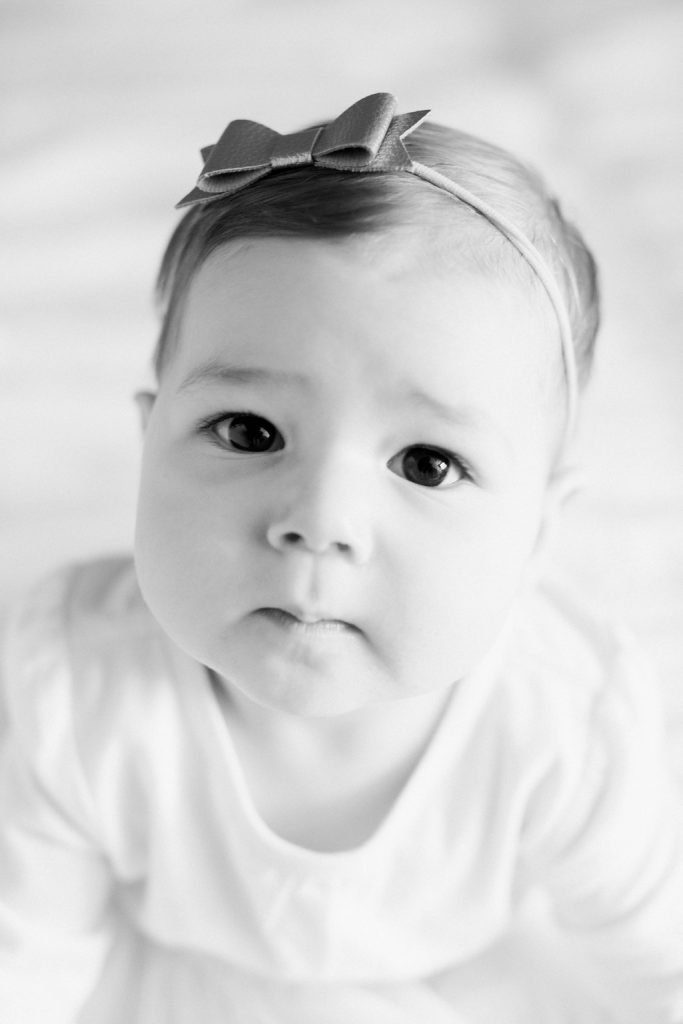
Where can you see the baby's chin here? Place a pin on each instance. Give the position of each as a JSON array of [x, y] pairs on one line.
[[325, 687], [305, 690], [360, 704]]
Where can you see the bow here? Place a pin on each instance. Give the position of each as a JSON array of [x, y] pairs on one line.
[[368, 136]]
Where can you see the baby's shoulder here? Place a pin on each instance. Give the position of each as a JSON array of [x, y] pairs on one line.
[[89, 601], [566, 660], [75, 632]]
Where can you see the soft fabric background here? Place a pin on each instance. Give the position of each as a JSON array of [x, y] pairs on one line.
[[104, 108]]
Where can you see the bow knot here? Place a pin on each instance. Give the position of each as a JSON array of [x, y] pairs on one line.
[[368, 136]]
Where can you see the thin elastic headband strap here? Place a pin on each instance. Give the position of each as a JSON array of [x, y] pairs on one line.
[[538, 264]]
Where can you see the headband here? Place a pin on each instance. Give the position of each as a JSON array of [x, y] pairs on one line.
[[367, 137]]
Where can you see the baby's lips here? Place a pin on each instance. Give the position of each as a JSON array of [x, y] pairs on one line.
[[308, 615]]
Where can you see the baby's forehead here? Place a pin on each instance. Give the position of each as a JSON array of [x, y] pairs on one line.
[[416, 274], [411, 255]]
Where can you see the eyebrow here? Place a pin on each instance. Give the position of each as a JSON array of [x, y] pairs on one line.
[[462, 416], [466, 415], [213, 372]]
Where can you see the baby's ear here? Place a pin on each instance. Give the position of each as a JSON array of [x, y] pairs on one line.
[[564, 484], [145, 402]]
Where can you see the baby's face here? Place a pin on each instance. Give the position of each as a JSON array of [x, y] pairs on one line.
[[345, 471]]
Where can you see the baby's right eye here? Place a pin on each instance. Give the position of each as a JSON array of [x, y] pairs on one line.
[[245, 432]]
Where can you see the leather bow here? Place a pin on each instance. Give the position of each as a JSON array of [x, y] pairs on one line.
[[368, 136]]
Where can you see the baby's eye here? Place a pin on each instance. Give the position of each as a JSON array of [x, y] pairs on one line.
[[245, 432], [428, 467]]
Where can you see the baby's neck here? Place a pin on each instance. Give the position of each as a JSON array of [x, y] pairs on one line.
[[327, 783]]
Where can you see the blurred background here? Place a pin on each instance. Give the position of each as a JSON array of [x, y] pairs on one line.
[[104, 108]]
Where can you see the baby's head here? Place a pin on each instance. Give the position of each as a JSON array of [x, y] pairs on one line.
[[362, 391]]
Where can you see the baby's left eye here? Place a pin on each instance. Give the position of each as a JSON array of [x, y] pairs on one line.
[[245, 432], [427, 467]]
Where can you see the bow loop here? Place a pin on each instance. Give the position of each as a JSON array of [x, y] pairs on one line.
[[355, 137], [241, 155], [365, 137]]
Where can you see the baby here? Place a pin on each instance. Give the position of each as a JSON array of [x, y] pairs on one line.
[[328, 752]]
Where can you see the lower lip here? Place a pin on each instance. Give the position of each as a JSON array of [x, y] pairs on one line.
[[290, 624]]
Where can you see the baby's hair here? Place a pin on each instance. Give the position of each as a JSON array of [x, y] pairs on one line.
[[313, 202]]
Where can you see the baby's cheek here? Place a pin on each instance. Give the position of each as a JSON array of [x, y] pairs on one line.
[[473, 577], [165, 536], [191, 538]]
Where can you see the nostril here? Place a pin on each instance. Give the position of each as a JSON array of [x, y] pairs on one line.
[[292, 538]]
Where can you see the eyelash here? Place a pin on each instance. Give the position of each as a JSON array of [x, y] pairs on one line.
[[208, 426]]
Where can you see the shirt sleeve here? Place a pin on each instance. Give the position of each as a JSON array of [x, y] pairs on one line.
[[606, 840], [54, 882]]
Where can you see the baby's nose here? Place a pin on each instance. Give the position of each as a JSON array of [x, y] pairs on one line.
[[324, 517]]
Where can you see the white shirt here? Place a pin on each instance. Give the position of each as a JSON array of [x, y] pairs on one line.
[[122, 800]]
